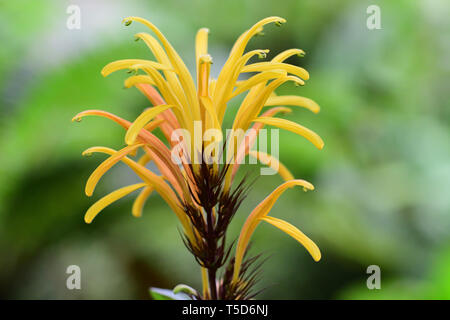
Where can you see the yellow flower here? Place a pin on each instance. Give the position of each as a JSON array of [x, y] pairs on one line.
[[178, 102]]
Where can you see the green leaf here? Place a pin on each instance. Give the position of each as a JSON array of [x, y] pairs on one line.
[[182, 288], [166, 294]]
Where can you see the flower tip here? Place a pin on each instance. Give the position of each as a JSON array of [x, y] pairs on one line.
[[321, 145], [285, 110], [89, 190], [76, 119], [307, 188], [280, 21], [87, 219], [318, 142], [317, 256], [206, 58], [262, 55], [305, 184], [315, 108], [127, 21], [128, 83]]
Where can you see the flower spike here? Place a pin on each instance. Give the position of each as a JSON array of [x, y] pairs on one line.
[[203, 195]]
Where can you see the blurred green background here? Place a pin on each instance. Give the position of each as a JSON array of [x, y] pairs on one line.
[[382, 181]]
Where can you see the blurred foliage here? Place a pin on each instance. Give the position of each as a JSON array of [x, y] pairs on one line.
[[382, 180]]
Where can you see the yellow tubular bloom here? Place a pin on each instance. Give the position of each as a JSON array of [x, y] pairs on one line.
[[293, 127], [287, 54], [162, 58], [110, 198], [127, 63], [268, 66], [152, 179], [140, 201], [177, 63], [141, 121], [255, 217], [105, 166], [272, 162], [296, 234], [178, 101], [293, 101]]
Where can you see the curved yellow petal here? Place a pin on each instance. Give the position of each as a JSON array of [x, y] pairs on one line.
[[142, 120], [155, 98], [162, 58], [135, 80], [146, 136], [255, 217], [229, 79], [108, 199], [275, 164], [253, 81], [127, 63], [152, 125], [293, 127], [155, 181], [270, 66], [227, 73], [178, 64], [243, 40], [249, 141], [105, 166], [155, 47], [138, 204], [293, 101], [287, 54], [155, 78], [255, 100], [296, 234]]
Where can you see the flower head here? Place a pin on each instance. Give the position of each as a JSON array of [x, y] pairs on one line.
[[197, 187]]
